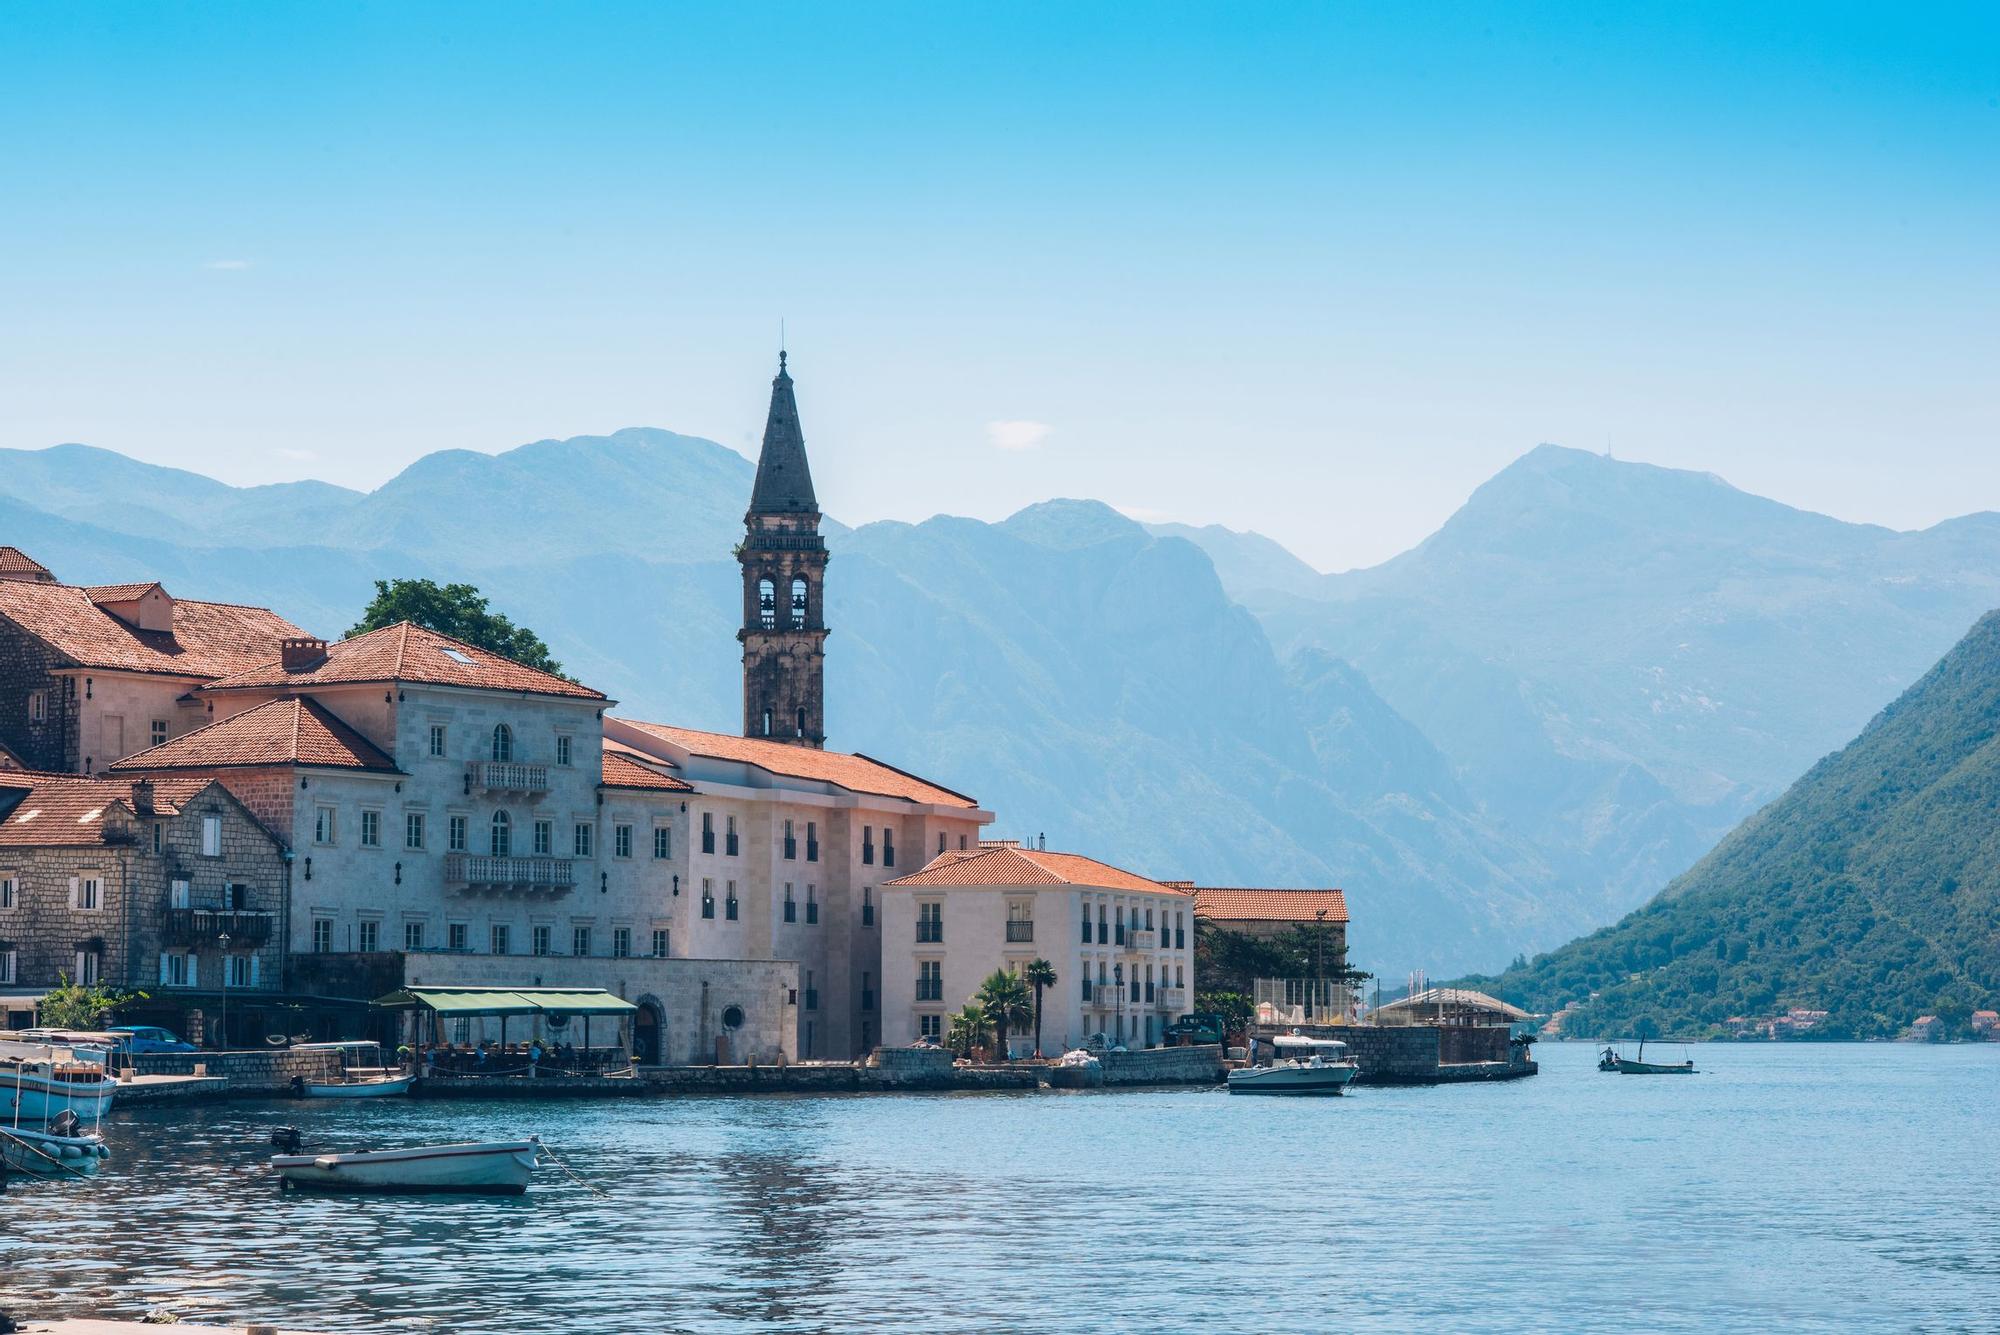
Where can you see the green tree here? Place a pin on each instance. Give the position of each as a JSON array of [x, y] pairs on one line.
[[457, 610], [1005, 998], [1039, 974], [969, 1029], [70, 1005], [1234, 1008]]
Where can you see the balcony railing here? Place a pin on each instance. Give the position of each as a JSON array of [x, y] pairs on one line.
[[505, 776], [200, 927], [1173, 1000], [473, 873], [1141, 938], [1020, 931]]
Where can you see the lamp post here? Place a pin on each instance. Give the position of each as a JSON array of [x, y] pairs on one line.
[[223, 939], [1118, 1000]]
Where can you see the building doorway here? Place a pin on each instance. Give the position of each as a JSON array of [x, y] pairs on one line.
[[649, 1028]]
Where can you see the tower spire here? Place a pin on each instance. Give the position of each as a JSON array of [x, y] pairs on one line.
[[784, 574]]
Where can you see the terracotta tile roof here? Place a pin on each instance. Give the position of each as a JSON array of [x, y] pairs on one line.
[[1251, 905], [67, 810], [406, 652], [208, 639], [291, 731], [17, 564], [119, 593], [856, 773], [621, 771], [1007, 864]]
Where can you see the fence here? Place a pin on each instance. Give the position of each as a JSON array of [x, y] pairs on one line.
[[1303, 1001]]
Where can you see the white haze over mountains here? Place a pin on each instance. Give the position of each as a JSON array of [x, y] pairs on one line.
[[1508, 735]]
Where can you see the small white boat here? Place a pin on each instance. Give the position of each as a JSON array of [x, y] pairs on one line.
[[496, 1168], [39, 1082], [360, 1078], [1300, 1065], [57, 1152]]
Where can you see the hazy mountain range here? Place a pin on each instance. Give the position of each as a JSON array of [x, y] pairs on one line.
[[1510, 734]]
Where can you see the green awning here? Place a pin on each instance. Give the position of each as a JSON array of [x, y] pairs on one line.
[[470, 1001]]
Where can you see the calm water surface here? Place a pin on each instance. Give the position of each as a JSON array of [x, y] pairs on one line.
[[1786, 1188]]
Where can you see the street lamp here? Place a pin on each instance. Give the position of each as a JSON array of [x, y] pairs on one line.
[[1118, 999], [223, 939]]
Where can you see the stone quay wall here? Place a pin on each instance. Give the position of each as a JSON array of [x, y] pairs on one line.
[[1420, 1054], [1199, 1065], [248, 1073]]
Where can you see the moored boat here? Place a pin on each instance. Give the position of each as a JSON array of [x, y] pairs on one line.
[[63, 1148], [359, 1077], [39, 1082], [1613, 1060], [1299, 1065], [494, 1168]]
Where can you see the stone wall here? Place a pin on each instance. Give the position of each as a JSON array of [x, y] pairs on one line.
[[1200, 1065], [1420, 1053], [911, 1068], [26, 666], [248, 1073]]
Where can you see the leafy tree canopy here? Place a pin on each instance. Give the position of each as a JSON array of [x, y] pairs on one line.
[[457, 610], [73, 1006]]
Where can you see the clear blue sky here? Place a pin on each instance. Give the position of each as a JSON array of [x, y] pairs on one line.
[[1315, 269]]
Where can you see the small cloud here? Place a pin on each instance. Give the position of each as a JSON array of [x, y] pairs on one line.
[[1016, 435], [227, 264]]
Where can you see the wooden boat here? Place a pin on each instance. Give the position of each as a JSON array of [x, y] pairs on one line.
[[1612, 1060], [359, 1078], [496, 1168], [39, 1082], [1300, 1065]]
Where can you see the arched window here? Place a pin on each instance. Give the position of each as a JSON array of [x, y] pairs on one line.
[[798, 603], [767, 604], [802, 721], [767, 723], [502, 841], [503, 742]]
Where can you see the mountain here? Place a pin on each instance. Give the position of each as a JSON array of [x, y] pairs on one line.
[[1622, 661], [1248, 564], [1870, 890]]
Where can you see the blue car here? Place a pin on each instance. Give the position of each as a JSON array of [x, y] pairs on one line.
[[151, 1038]]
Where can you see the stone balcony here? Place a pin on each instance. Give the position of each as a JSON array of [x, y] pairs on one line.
[[1172, 1000], [470, 873], [505, 776], [1140, 938], [206, 927]]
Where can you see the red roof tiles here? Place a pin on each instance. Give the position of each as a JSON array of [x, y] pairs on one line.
[[67, 810], [406, 652], [278, 732], [17, 564], [1007, 865], [119, 593], [1252, 905], [856, 773], [207, 639], [622, 771]]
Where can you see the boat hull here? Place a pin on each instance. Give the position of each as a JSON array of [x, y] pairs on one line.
[[35, 1098], [1626, 1067], [1299, 1081], [361, 1089], [493, 1169], [28, 1151]]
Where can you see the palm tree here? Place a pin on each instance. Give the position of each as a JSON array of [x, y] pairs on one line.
[[968, 1029], [1038, 974], [1005, 998]]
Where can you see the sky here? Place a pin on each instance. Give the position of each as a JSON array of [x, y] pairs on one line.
[[1316, 270]]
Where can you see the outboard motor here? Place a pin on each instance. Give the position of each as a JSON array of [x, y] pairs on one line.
[[66, 1123], [298, 1086], [287, 1140]]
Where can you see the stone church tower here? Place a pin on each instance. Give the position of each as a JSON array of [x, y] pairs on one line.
[[784, 575]]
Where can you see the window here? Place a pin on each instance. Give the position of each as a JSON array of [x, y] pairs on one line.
[[812, 905], [413, 829], [322, 936], [767, 723], [791, 909], [798, 603], [812, 841], [663, 841], [729, 903], [371, 936], [1149, 919], [454, 836], [413, 936], [242, 970], [176, 970], [1118, 924], [562, 749], [538, 939], [867, 906], [86, 893], [545, 838], [437, 739], [767, 605], [867, 991], [707, 897], [867, 845], [708, 831], [659, 943], [729, 845], [1180, 930], [930, 922], [930, 980], [371, 829], [89, 967], [454, 936], [38, 706], [159, 731], [499, 938], [579, 941], [9, 889], [1086, 924], [503, 742], [6, 966], [930, 1028], [791, 843], [581, 839], [621, 943], [500, 838], [323, 825], [940, 841], [1020, 922], [812, 993], [621, 841], [1086, 989], [1102, 928], [888, 847]]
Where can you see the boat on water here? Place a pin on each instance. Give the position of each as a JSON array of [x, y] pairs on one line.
[[1613, 1060], [39, 1082], [360, 1077], [492, 1168], [1299, 1065], [62, 1148]]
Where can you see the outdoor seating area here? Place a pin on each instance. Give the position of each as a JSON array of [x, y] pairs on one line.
[[523, 1060], [552, 1031]]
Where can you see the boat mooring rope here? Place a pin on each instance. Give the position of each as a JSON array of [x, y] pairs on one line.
[[572, 1172], [36, 1149]]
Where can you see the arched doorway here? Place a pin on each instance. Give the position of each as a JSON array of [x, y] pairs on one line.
[[649, 1029]]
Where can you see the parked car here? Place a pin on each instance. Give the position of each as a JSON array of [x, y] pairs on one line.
[[151, 1038], [1201, 1027]]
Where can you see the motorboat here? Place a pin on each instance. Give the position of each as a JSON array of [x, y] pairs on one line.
[[360, 1077], [1612, 1060], [1299, 1065], [39, 1082], [491, 1168], [62, 1147]]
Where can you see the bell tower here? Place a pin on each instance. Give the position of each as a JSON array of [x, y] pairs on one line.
[[784, 574]]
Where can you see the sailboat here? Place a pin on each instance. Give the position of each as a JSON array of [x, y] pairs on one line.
[[1612, 1060]]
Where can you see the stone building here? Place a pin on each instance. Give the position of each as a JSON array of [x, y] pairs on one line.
[[1122, 946], [170, 886], [1265, 913]]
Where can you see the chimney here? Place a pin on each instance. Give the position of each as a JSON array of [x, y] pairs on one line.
[[142, 798], [302, 653]]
